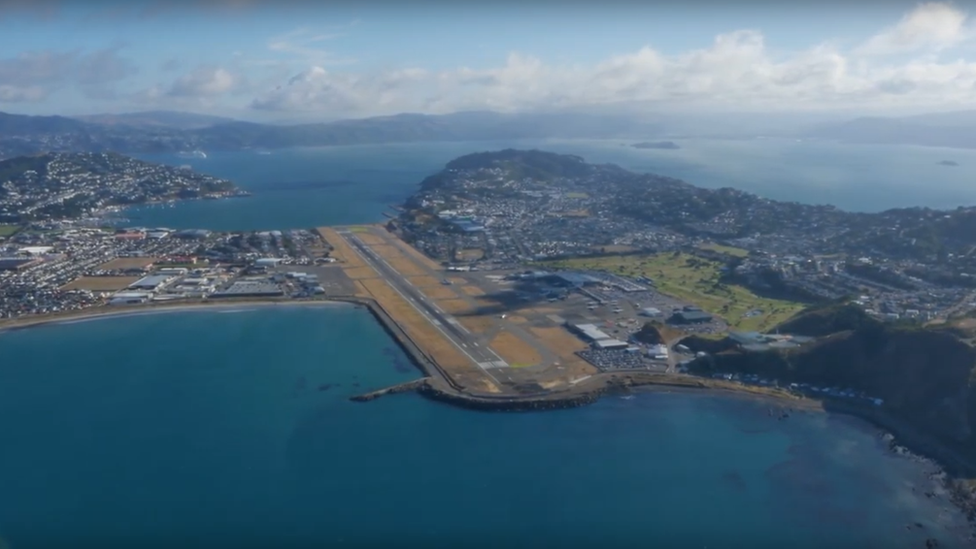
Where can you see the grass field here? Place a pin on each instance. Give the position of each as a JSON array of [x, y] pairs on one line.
[[341, 250], [404, 266], [357, 273], [100, 283], [198, 265], [127, 263], [439, 292], [563, 343], [730, 250], [513, 350], [471, 254], [369, 238], [454, 306], [473, 291], [695, 280], [424, 281], [416, 254], [7, 230], [477, 324]]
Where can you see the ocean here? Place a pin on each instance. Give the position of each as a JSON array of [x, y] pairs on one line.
[[308, 187], [233, 428]]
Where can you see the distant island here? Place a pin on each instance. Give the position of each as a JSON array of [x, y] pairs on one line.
[[671, 145], [948, 163]]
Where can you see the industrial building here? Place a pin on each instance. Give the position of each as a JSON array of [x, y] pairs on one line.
[[690, 317], [589, 332], [658, 352], [130, 298], [18, 263], [610, 344], [151, 282], [267, 262], [251, 288]]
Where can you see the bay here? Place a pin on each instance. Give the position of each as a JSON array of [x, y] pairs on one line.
[[210, 428], [308, 187], [234, 428]]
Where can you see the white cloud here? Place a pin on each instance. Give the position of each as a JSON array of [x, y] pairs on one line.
[[35, 75], [305, 45], [736, 71], [932, 25], [205, 81]]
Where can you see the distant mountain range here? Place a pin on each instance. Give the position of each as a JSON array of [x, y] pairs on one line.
[[166, 131], [949, 129], [156, 119]]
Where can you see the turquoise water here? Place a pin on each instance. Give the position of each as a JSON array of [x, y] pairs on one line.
[[301, 188], [210, 428]]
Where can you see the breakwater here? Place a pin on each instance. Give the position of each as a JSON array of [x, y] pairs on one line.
[[400, 388]]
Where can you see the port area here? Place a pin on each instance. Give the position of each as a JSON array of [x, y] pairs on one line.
[[477, 338]]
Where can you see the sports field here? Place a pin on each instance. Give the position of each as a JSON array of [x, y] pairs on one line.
[[695, 280]]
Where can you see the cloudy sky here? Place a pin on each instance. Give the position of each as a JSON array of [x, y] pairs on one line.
[[285, 59]]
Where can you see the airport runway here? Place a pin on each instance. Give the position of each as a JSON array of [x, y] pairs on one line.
[[467, 342]]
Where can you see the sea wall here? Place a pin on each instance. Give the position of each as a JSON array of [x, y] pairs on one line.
[[500, 403]]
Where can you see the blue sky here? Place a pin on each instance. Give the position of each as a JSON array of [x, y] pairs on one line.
[[275, 60]]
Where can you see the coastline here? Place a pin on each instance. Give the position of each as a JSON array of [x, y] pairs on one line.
[[105, 312], [437, 386]]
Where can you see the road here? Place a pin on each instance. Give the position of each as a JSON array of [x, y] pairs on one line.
[[467, 342]]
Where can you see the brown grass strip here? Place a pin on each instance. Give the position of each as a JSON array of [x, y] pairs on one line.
[[405, 266], [473, 290], [454, 306], [358, 273], [477, 324], [424, 281], [100, 283], [514, 350], [439, 292], [127, 263]]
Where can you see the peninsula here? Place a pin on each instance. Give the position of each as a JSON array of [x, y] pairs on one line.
[[523, 280]]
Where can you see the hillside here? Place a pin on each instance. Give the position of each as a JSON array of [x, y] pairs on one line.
[[926, 376], [923, 235], [68, 185]]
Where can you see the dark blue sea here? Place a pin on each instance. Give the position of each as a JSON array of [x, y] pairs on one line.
[[233, 427]]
